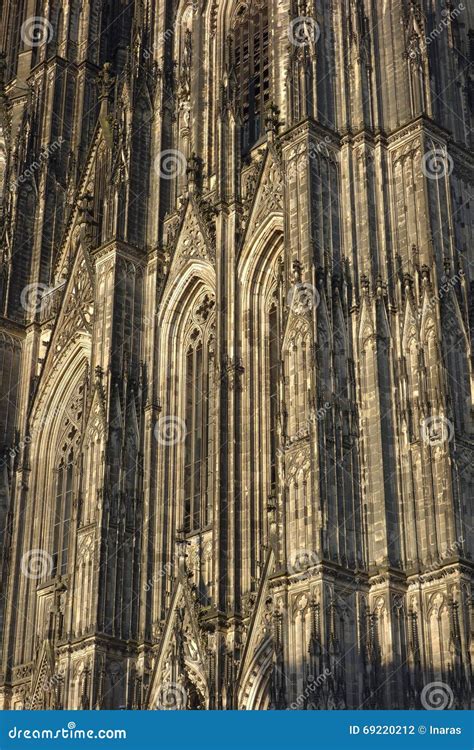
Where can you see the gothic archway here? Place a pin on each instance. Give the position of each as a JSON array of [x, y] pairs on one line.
[[255, 692], [260, 301]]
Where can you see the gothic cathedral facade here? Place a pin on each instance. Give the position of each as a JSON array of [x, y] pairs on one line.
[[236, 364]]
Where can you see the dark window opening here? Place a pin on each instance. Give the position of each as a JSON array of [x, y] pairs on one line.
[[196, 443], [62, 517], [273, 355], [252, 70]]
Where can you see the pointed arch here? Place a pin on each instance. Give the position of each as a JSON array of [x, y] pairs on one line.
[[259, 313], [185, 428], [56, 444], [55, 392], [254, 694], [260, 245], [55, 434], [180, 658]]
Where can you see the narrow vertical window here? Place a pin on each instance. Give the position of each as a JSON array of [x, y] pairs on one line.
[[197, 429], [196, 444], [57, 518], [273, 356], [252, 70], [66, 518], [62, 516], [188, 460]]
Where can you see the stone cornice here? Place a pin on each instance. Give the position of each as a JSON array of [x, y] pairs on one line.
[[305, 129], [325, 570], [14, 329], [460, 567], [97, 640], [387, 576], [121, 249]]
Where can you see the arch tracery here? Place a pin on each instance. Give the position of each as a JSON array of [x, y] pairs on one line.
[[187, 396]]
